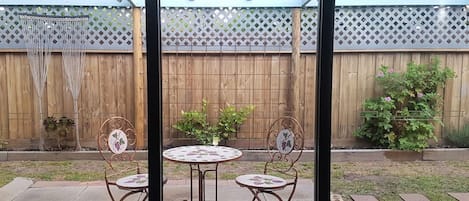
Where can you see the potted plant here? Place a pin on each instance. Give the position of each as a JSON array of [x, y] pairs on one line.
[[50, 124], [58, 128], [195, 124]]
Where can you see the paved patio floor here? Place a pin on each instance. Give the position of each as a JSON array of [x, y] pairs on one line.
[[22, 189]]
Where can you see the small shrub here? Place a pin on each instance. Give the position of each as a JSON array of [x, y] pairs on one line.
[[403, 117], [459, 138], [195, 124]]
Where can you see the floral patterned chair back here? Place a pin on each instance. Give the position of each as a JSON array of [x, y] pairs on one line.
[[285, 143], [117, 146], [117, 140]]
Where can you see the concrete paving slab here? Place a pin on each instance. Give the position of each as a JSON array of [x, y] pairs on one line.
[[51, 193], [14, 188], [173, 191], [460, 196], [43, 184], [413, 197], [99, 193], [363, 198], [336, 197], [230, 191]]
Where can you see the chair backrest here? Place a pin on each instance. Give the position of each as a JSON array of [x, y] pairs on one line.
[[117, 140], [285, 143]]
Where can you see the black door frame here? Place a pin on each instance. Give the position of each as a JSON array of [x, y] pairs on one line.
[[154, 96], [324, 60]]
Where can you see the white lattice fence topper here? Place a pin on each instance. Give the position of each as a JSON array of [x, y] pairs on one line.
[[402, 27], [226, 29], [259, 29], [109, 28]]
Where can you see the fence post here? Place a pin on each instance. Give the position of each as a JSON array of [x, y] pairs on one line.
[[139, 78], [293, 94]]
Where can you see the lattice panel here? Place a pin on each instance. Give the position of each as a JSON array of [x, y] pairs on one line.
[[267, 29], [309, 29], [394, 28], [226, 29], [109, 28]]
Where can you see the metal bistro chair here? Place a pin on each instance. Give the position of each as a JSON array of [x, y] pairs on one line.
[[284, 136], [116, 145]]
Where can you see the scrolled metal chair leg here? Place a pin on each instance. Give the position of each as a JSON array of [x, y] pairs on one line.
[[255, 193], [109, 192], [128, 194], [274, 194]]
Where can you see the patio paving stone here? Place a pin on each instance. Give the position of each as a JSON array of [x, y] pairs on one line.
[[460, 196], [363, 198], [413, 197], [14, 188], [50, 193], [22, 189], [174, 190]]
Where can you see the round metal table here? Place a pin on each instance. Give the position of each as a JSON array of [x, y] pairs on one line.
[[199, 155]]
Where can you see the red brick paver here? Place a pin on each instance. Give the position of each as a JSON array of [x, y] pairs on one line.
[[413, 197], [363, 198], [460, 196]]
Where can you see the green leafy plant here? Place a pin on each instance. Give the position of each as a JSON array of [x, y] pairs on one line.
[[58, 128], [459, 137], [195, 123], [404, 117]]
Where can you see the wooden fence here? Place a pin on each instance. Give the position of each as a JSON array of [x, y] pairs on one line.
[[263, 80]]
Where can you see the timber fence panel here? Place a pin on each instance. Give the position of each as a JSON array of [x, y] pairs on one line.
[[238, 79]]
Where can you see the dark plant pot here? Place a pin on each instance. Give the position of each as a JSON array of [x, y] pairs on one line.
[[223, 142], [50, 129]]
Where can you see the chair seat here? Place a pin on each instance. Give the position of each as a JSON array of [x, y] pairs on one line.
[[261, 181], [136, 181]]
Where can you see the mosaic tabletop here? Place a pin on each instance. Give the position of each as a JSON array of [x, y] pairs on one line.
[[261, 181], [202, 154], [133, 181]]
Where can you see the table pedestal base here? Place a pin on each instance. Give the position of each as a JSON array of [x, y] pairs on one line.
[[201, 173]]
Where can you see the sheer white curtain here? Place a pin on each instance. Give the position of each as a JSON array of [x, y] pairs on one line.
[[37, 31], [73, 32]]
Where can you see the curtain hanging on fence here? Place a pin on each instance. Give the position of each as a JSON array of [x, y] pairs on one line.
[[37, 31], [73, 32], [40, 32]]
